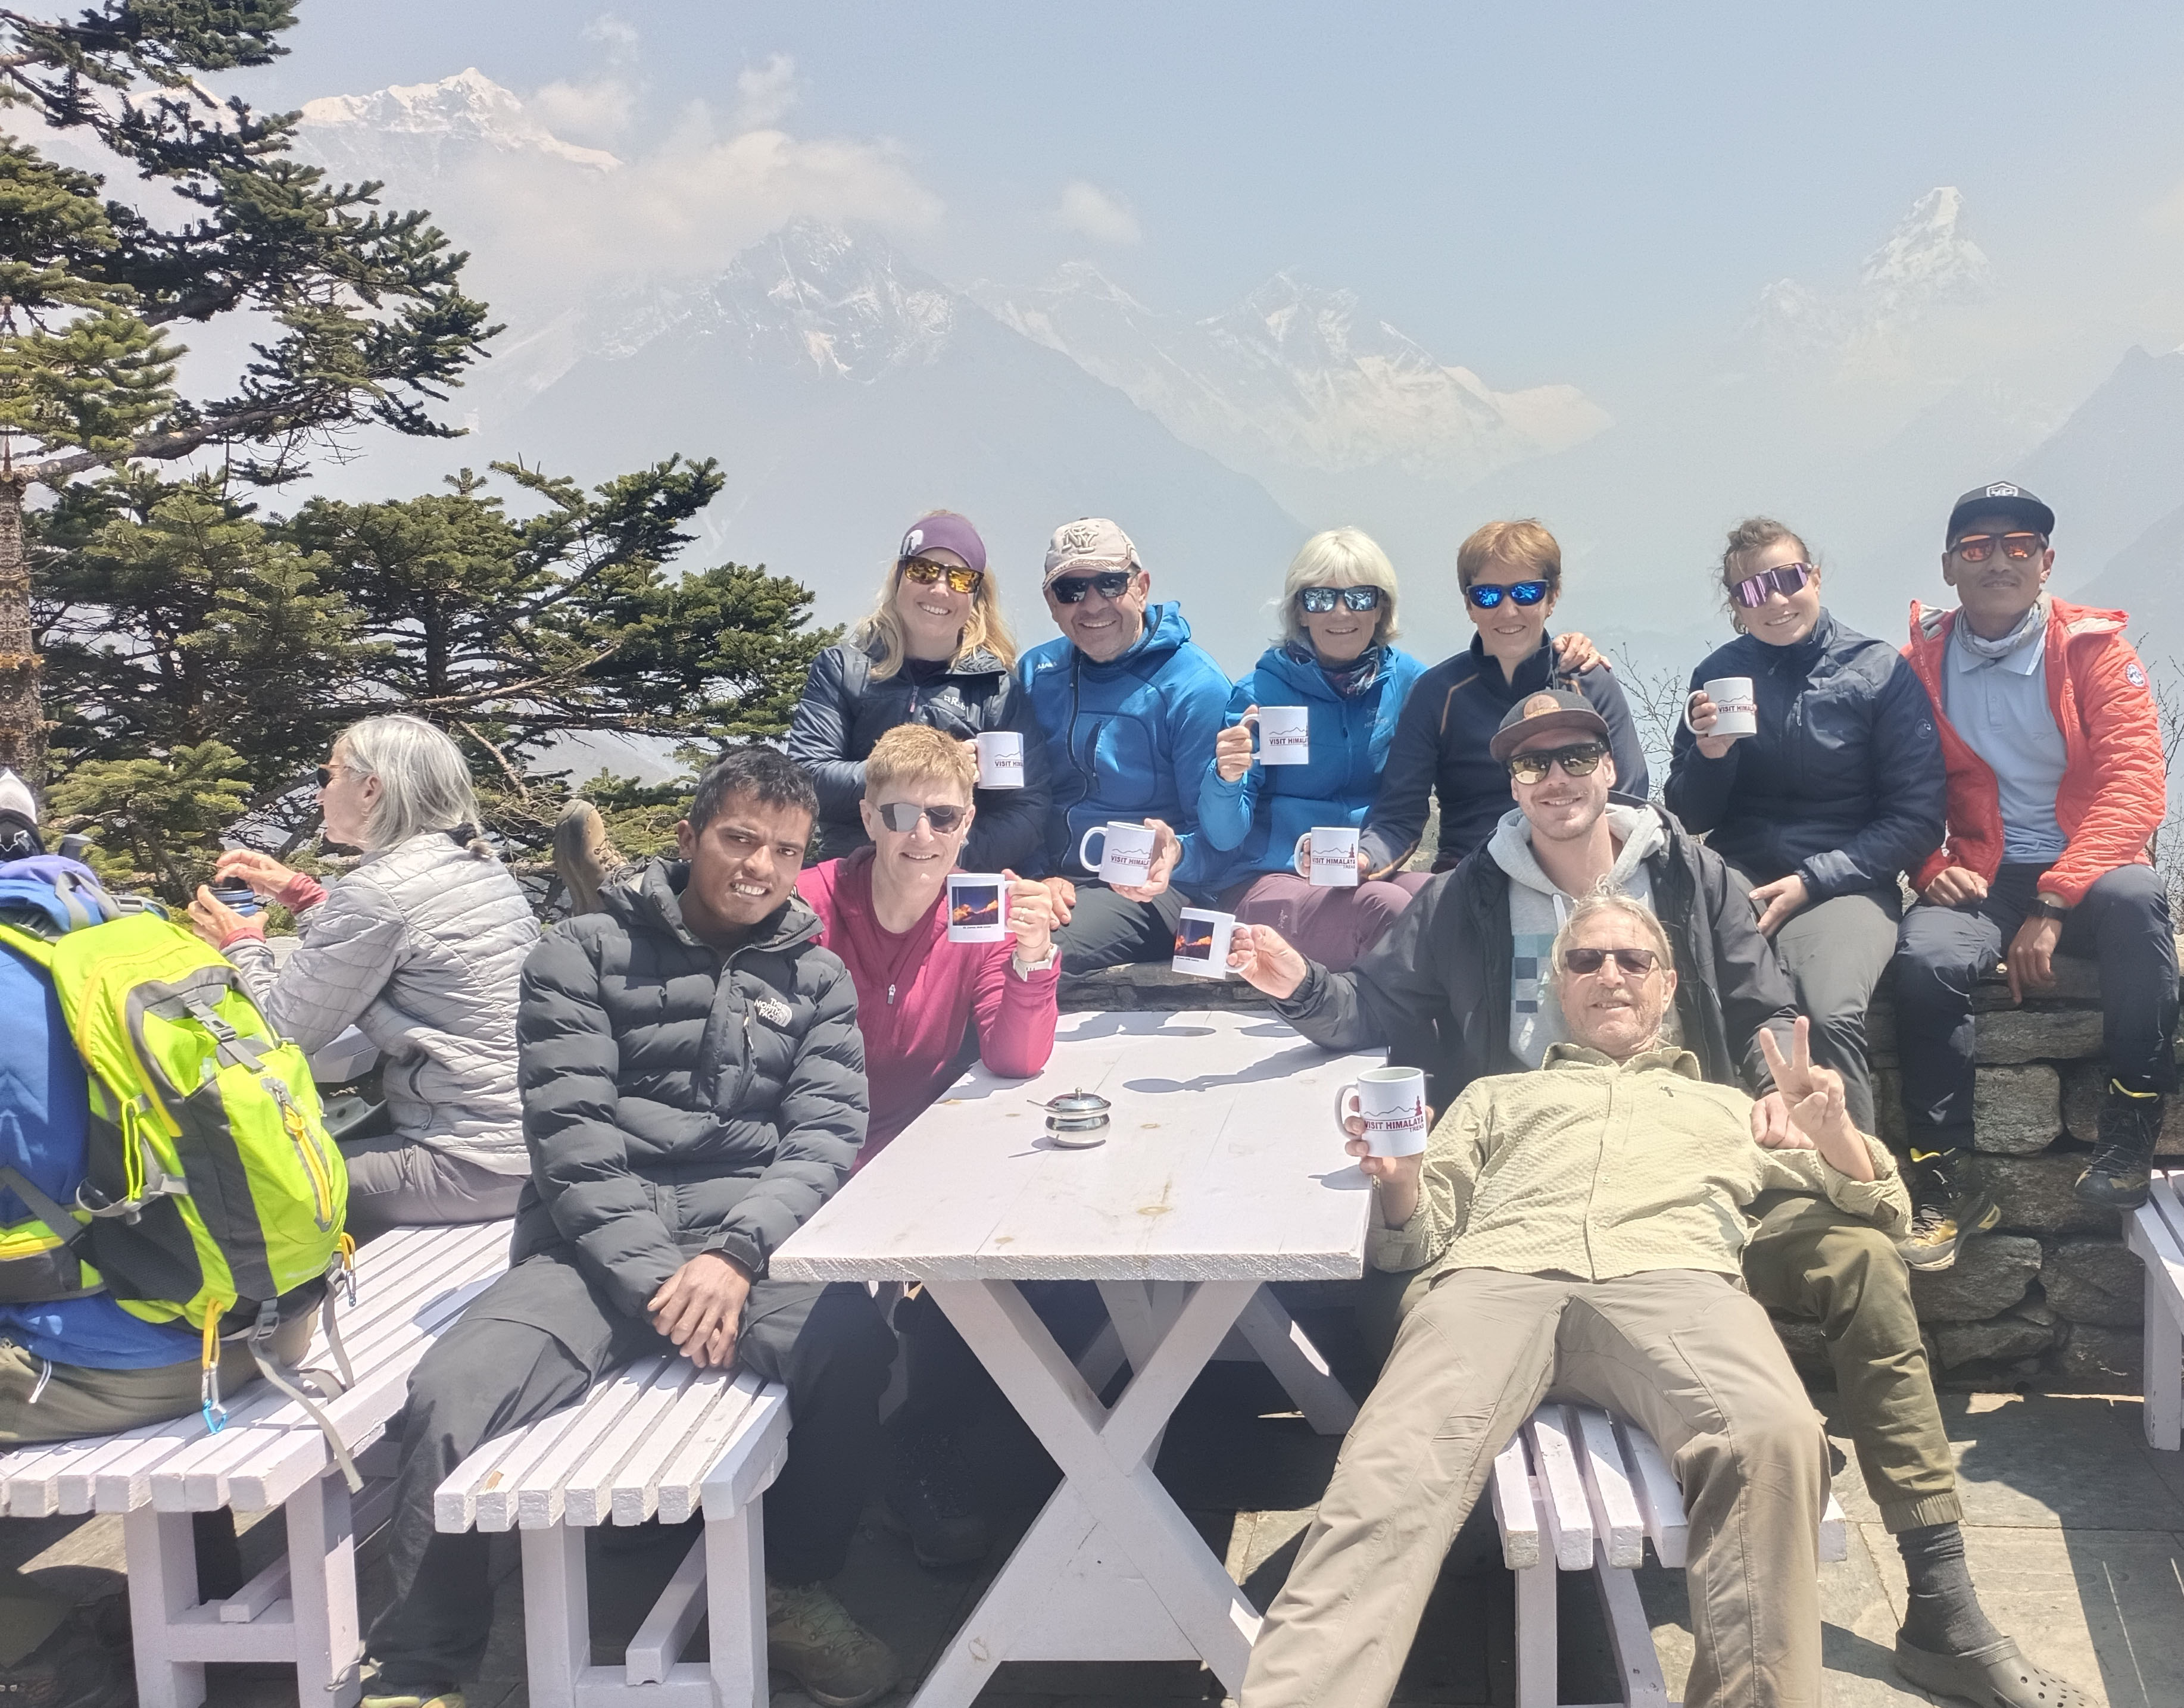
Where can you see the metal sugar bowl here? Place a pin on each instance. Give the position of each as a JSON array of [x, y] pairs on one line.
[[1076, 1120]]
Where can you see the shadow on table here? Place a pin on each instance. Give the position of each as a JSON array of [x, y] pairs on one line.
[[1127, 1023], [1279, 1065]]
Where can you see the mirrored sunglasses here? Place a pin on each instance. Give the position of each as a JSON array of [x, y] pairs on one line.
[[926, 573], [1581, 760], [1486, 595], [902, 817], [1070, 590], [1785, 579], [1635, 963], [1321, 600], [1977, 548]]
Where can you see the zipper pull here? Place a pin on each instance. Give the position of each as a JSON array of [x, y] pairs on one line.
[[890, 996]]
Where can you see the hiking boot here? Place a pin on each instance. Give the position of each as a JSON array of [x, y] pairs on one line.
[[928, 1500], [83, 1663], [1945, 1213], [586, 860], [410, 1699], [811, 1637], [2121, 1170]]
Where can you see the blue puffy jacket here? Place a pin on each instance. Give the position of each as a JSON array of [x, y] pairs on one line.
[[1843, 784], [1256, 819], [1128, 740]]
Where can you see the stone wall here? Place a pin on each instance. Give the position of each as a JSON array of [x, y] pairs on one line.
[[2051, 1299]]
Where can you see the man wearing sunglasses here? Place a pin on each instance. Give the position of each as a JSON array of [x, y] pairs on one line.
[[2056, 784], [1129, 709]]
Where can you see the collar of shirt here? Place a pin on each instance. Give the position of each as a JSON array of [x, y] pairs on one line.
[[1668, 1057], [2021, 659]]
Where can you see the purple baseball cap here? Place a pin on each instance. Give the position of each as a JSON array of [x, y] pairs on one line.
[[944, 531]]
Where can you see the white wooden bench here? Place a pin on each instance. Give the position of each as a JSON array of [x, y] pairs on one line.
[[2155, 1231], [301, 1610], [1580, 1491], [663, 1439]]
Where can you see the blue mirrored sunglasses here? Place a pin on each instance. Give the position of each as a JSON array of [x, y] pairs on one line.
[[1486, 596]]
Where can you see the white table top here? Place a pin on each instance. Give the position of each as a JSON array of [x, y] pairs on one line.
[[1222, 1162]]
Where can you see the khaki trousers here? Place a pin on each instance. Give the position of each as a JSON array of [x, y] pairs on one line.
[[1686, 1356]]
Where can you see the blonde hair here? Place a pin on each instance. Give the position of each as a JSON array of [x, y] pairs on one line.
[[918, 753], [1753, 534], [424, 785], [1523, 546], [1611, 901], [1340, 558], [880, 634]]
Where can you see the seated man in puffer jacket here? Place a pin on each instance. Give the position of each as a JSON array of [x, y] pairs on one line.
[[694, 1090]]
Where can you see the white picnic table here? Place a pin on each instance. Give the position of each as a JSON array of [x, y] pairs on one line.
[[1222, 1171]]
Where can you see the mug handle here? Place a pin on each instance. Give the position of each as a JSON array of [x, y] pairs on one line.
[[1084, 844], [1688, 698], [1250, 720], [1300, 855], [1342, 1096]]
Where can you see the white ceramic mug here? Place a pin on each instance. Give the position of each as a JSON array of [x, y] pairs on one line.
[[1001, 760], [978, 907], [1736, 712], [1391, 1101], [1284, 735], [1127, 856], [1201, 942], [1334, 857]]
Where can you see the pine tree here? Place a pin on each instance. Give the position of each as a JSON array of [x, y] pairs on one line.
[[369, 322]]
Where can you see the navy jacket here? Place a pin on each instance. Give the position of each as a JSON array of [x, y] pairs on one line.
[[843, 713], [1441, 749], [1842, 785]]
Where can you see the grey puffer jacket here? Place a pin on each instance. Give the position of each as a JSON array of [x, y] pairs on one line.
[[678, 1100], [419, 948]]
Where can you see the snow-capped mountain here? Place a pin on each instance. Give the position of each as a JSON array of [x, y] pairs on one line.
[[1294, 378], [412, 129]]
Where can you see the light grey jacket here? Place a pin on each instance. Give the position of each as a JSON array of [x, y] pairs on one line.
[[420, 948]]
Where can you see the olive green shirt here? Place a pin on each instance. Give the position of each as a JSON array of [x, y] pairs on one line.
[[1591, 1168]]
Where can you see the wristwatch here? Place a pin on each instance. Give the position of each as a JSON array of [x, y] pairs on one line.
[[2046, 907]]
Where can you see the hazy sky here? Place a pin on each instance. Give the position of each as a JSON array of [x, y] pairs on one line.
[[1542, 192]]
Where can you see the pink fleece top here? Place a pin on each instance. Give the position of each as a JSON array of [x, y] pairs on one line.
[[915, 993]]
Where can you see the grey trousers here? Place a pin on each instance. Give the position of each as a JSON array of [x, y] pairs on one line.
[[1689, 1357], [1835, 952], [398, 1182]]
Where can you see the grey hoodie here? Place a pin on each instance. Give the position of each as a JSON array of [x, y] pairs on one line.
[[1537, 912]]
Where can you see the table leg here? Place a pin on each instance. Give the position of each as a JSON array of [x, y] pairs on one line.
[[1111, 1570], [1288, 1351]]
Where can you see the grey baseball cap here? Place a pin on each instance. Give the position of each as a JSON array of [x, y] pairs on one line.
[[1086, 546]]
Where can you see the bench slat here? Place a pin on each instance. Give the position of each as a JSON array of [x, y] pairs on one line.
[[539, 1491], [594, 1487], [748, 1463], [1659, 1499], [1562, 1504], [1512, 1507], [739, 1406], [1617, 1522], [634, 1494]]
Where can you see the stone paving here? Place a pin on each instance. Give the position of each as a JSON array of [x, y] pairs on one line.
[[2075, 1531]]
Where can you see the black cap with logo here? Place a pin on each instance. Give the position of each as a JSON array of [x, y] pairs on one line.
[[2001, 498], [1551, 711]]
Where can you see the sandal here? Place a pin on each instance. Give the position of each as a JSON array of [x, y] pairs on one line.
[[1997, 1675]]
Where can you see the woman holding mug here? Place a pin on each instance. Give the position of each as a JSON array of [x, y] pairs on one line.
[[1511, 575], [1336, 658], [1839, 788], [934, 651]]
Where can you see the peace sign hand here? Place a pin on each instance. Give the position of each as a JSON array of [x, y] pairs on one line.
[[1818, 1118]]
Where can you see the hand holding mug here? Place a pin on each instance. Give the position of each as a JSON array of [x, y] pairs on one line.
[[1232, 750], [1703, 714], [1168, 849], [1259, 955], [1031, 917], [265, 875]]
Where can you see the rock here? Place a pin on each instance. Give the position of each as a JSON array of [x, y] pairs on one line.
[[2095, 1280], [1989, 1275], [2083, 1085], [2038, 1034], [2016, 1110], [2035, 1193], [2078, 980], [1807, 1348], [2093, 1360], [2006, 1338]]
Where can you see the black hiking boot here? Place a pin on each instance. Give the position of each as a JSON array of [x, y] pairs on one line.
[[2119, 1171], [928, 1500], [1945, 1212]]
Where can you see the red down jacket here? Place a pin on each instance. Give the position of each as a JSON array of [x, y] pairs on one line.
[[2114, 790]]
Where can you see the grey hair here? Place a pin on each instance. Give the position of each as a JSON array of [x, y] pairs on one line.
[[1612, 901], [424, 784], [1340, 558]]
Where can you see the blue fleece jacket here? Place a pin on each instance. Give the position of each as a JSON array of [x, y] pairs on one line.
[[1130, 739], [1256, 819]]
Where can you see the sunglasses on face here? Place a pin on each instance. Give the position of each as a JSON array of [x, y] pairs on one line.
[[1785, 579], [2018, 548], [1581, 760], [1070, 590], [1321, 600], [902, 817], [1635, 963], [1486, 596], [927, 575], [326, 775]]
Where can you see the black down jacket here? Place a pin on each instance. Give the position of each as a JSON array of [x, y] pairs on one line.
[[677, 1101], [845, 712], [1435, 989], [1843, 784]]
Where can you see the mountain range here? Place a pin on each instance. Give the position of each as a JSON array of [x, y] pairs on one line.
[[846, 390]]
